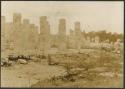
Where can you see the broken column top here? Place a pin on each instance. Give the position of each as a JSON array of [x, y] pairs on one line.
[[62, 26], [17, 18], [17, 14], [43, 18], [62, 20]]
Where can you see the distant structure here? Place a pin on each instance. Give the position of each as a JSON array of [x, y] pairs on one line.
[[17, 19], [20, 36]]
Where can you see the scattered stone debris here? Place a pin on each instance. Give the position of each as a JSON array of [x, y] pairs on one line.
[[5, 62], [13, 57], [22, 61]]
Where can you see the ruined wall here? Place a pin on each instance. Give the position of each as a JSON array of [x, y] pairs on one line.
[[21, 35], [18, 35]]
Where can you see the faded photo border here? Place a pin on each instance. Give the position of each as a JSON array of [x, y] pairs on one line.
[[55, 22]]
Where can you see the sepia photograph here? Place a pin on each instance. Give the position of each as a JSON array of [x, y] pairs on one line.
[[62, 44]]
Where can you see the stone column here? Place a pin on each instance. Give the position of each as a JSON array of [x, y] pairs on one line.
[[17, 19], [62, 35], [44, 34], [78, 36]]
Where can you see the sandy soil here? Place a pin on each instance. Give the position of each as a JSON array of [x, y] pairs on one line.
[[20, 75]]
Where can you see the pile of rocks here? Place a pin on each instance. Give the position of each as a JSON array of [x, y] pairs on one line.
[[10, 59], [5, 62]]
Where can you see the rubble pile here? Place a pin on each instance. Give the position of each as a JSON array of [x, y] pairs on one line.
[[11, 59]]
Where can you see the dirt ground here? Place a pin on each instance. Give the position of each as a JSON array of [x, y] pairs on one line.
[[101, 71], [20, 75], [104, 70]]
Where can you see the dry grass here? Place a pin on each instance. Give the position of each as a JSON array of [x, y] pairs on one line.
[[101, 69]]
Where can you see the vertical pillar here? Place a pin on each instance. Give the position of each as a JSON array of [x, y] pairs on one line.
[[78, 35], [44, 34], [62, 35]]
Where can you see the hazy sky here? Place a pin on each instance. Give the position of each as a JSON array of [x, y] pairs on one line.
[[93, 15]]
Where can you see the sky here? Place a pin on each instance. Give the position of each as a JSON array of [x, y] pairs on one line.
[[93, 15]]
